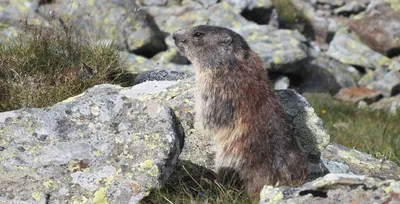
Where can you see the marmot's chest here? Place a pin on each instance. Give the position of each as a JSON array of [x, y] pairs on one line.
[[215, 108]]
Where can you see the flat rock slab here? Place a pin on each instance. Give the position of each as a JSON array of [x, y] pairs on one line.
[[340, 159], [97, 147], [336, 188]]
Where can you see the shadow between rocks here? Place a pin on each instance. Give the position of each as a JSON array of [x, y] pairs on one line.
[[191, 181]]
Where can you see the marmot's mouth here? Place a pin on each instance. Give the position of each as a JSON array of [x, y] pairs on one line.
[[181, 50]]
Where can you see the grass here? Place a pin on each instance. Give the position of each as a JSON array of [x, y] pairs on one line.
[[373, 132], [45, 65], [191, 183]]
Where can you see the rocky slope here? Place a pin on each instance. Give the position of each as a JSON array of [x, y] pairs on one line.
[[114, 144]]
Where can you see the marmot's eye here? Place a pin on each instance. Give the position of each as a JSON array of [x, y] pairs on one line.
[[197, 34]]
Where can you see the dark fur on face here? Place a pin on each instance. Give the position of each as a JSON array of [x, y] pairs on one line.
[[211, 46], [236, 104]]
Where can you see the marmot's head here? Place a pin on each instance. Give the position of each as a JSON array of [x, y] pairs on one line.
[[211, 46]]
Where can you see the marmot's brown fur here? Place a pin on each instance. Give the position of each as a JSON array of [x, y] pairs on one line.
[[236, 104]]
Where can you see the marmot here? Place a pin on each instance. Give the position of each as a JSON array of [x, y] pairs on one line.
[[236, 104]]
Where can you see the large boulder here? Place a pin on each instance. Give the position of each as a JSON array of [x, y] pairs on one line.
[[97, 147], [123, 21], [380, 32], [325, 74], [198, 148], [336, 188], [346, 48], [282, 51]]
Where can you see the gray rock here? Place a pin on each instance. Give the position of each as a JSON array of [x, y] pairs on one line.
[[160, 75], [123, 21], [327, 75], [308, 127], [385, 81], [334, 3], [315, 26], [352, 7], [220, 14], [346, 48], [199, 148], [97, 147], [340, 159], [138, 64], [207, 3], [390, 104], [336, 188], [282, 51], [282, 82], [153, 2], [249, 4]]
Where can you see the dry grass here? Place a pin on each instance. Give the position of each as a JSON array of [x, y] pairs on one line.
[[47, 65]]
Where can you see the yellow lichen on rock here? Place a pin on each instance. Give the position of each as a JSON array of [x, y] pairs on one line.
[[100, 196]]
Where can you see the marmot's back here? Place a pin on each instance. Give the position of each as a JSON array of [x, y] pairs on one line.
[[236, 104]]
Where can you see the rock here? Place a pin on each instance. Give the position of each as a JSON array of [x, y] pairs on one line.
[[172, 55], [357, 94], [379, 7], [340, 159], [333, 4], [346, 48], [380, 32], [123, 21], [16, 16], [352, 7], [390, 104], [97, 147], [153, 2], [336, 188], [160, 75], [383, 80], [326, 75], [282, 82], [207, 3], [138, 64], [221, 14], [283, 51], [250, 4], [199, 148], [13, 12], [315, 25], [261, 12], [308, 127]]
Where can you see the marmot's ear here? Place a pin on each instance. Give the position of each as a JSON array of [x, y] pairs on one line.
[[225, 39]]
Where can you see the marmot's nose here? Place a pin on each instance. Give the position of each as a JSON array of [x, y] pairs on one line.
[[179, 36]]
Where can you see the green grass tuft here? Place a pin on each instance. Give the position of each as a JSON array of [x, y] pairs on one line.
[[371, 131], [45, 65]]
